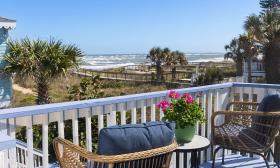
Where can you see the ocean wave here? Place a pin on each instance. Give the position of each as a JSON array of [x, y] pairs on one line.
[[100, 62], [217, 59], [105, 66]]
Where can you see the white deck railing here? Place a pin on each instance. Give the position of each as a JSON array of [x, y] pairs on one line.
[[140, 107]]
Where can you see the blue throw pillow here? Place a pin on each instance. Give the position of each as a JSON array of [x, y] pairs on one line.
[[122, 139]]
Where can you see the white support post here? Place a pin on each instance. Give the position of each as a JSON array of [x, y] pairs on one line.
[[61, 125], [45, 141], [153, 110], [75, 127], [88, 131], [29, 135]]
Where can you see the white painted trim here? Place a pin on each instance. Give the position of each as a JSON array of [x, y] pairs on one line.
[[8, 25]]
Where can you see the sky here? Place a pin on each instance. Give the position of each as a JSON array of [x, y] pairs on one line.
[[131, 26]]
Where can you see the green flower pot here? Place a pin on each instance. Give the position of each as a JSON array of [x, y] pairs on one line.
[[185, 135]]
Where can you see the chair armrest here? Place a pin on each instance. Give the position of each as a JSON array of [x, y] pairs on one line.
[[112, 158]]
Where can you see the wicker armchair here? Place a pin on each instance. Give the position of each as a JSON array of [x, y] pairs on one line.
[[73, 156], [246, 130]]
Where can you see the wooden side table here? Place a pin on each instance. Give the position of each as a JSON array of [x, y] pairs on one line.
[[198, 144]]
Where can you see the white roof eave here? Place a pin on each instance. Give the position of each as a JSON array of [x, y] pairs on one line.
[[8, 25]]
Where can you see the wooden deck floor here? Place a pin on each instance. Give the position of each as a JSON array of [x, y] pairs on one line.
[[238, 161]]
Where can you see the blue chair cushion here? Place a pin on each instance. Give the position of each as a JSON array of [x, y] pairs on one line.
[[122, 139], [270, 103]]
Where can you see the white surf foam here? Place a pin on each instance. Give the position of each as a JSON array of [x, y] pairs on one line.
[[104, 67]]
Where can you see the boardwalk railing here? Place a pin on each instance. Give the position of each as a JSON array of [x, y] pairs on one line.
[[134, 77], [139, 108]]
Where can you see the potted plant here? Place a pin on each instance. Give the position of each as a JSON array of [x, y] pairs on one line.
[[185, 112]]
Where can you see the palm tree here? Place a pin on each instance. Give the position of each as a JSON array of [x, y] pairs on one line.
[[176, 58], [157, 57], [269, 4], [234, 52], [41, 60], [265, 31], [164, 56], [271, 45], [249, 50]]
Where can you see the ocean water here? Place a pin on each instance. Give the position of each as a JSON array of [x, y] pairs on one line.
[[107, 61]]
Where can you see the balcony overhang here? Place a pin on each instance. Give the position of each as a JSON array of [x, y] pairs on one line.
[[7, 23]]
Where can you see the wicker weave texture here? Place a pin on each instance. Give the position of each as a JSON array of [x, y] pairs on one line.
[[246, 130], [70, 155]]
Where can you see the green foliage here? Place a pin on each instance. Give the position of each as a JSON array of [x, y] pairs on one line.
[[114, 84], [184, 113], [210, 76], [41, 60], [269, 4], [28, 100], [89, 88]]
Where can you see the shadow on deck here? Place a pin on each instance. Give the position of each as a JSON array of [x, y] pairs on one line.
[[238, 161]]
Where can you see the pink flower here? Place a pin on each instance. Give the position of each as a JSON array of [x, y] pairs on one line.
[[188, 97], [173, 94], [163, 105]]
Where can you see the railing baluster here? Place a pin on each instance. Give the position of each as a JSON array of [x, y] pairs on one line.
[[143, 111], [153, 109], [203, 125], [61, 125], [160, 110], [122, 107], [23, 157], [88, 130], [29, 136], [123, 117], [134, 113], [12, 134], [111, 115], [100, 122], [242, 94], [75, 127], [3, 129], [251, 93], [45, 141], [209, 113]]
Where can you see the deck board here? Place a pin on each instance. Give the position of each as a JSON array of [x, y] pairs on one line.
[[237, 161]]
